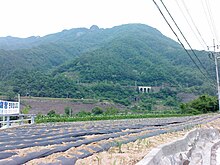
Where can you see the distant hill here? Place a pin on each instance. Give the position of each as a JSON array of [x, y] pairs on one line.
[[120, 55], [135, 53]]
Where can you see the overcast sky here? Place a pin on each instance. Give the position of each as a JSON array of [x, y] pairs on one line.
[[24, 18]]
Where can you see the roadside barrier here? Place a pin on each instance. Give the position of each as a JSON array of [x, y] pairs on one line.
[[16, 120]]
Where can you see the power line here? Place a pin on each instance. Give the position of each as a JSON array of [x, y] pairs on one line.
[[193, 22], [204, 44], [210, 54], [184, 36], [211, 19], [208, 19], [178, 38]]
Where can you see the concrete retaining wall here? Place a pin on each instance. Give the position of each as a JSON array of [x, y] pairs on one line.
[[194, 147]]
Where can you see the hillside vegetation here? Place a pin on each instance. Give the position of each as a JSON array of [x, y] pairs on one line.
[[101, 64]]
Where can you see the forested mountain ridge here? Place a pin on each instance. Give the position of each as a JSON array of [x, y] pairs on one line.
[[138, 53], [54, 49], [78, 35], [54, 65]]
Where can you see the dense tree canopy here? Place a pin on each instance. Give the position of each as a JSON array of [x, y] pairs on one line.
[[100, 63], [204, 104]]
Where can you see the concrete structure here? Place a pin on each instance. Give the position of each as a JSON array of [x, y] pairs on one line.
[[194, 148], [144, 89]]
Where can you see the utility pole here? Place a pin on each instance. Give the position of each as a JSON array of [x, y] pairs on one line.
[[216, 70]]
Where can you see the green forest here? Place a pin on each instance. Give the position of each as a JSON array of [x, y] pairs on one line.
[[103, 64]]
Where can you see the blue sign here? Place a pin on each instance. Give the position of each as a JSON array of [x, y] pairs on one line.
[[6, 105], [1, 104], [9, 107]]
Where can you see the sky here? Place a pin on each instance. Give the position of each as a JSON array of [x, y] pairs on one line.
[[25, 18]]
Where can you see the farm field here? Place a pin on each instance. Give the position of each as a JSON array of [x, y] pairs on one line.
[[74, 143], [42, 105]]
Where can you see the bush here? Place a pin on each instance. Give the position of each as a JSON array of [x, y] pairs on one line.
[[203, 104], [97, 111], [186, 109], [83, 113], [125, 102], [51, 113], [68, 111], [26, 109], [111, 111], [170, 101]]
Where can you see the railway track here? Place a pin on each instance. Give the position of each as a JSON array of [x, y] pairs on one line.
[[65, 143]]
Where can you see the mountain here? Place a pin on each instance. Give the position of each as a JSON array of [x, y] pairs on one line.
[[54, 65], [135, 53]]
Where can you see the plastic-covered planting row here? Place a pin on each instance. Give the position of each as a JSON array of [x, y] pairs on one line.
[[53, 129], [59, 137], [50, 140], [59, 133], [53, 132], [61, 148], [11, 145], [66, 136], [72, 157]]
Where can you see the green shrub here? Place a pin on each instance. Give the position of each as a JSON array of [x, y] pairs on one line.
[[26, 109], [170, 101], [97, 111], [203, 104], [83, 114], [68, 111], [111, 111], [103, 117], [51, 113]]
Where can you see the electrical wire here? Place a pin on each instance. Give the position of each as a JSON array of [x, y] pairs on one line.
[[184, 37], [208, 20], [211, 20], [193, 22], [210, 54], [180, 40]]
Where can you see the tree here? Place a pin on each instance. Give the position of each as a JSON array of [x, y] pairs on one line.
[[83, 113], [111, 111], [51, 113], [26, 109], [203, 104], [170, 101], [97, 111], [68, 111]]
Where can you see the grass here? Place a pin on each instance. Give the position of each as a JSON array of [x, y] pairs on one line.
[[119, 145], [99, 160], [45, 119]]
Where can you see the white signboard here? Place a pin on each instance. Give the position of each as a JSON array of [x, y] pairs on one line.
[[9, 107]]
